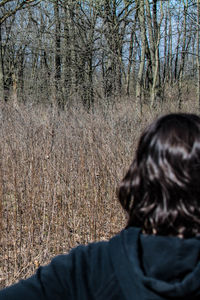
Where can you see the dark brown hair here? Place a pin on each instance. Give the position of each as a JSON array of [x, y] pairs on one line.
[[161, 190]]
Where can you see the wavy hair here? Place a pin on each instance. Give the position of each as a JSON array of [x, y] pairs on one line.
[[161, 190]]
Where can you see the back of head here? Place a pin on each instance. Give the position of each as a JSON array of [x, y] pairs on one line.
[[161, 191]]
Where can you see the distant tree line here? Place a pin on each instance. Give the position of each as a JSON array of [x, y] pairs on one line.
[[57, 50]]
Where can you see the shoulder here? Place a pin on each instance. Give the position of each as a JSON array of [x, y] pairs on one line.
[[79, 274], [87, 272]]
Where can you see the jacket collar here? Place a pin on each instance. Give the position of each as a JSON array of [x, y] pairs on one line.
[[155, 266]]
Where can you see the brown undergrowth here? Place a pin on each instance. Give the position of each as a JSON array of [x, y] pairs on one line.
[[58, 178]]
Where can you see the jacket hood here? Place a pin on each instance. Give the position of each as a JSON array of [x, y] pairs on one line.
[[157, 267]]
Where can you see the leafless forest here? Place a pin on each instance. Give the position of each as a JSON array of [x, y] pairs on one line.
[[57, 51], [79, 81]]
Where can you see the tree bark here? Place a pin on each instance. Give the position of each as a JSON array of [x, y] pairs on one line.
[[143, 49], [130, 59], [58, 56], [197, 49], [1, 69]]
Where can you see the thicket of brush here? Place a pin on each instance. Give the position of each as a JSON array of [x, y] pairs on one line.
[[58, 178]]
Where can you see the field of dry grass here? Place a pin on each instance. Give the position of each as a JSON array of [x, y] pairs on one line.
[[58, 178]]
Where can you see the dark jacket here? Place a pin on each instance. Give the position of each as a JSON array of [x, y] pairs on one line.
[[130, 266]]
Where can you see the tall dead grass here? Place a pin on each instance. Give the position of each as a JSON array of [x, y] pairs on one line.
[[58, 179]]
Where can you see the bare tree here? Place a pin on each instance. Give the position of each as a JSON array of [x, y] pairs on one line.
[[143, 51], [72, 49], [115, 20], [132, 50], [58, 61], [197, 53], [10, 7]]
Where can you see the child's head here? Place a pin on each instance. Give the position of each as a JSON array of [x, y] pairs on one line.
[[161, 190]]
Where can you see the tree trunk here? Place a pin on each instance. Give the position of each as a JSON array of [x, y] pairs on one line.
[[183, 54], [143, 49], [198, 60], [67, 63], [58, 56], [130, 59], [156, 80], [1, 69]]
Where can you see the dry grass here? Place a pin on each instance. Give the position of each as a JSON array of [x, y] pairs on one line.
[[58, 179]]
